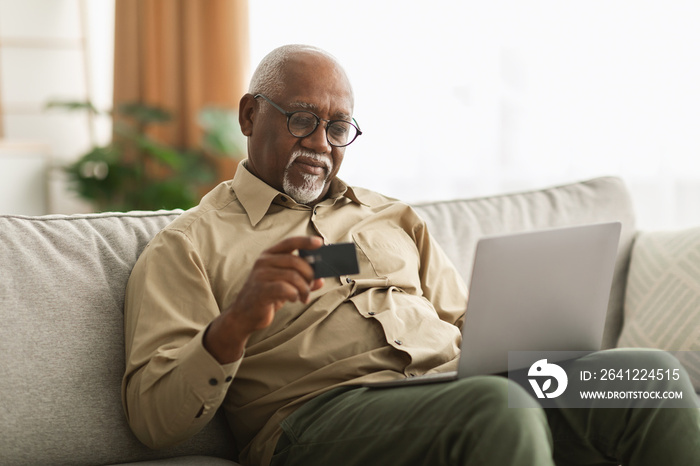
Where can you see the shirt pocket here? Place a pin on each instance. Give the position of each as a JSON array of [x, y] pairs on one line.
[[389, 253]]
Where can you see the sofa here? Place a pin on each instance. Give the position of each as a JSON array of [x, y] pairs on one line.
[[61, 307]]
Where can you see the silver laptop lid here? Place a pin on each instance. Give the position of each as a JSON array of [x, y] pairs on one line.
[[545, 290]]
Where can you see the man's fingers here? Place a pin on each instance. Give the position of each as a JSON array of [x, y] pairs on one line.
[[297, 283], [269, 264], [282, 291], [279, 276], [282, 255], [317, 284], [288, 269]]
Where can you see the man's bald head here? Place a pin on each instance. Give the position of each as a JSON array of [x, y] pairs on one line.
[[270, 75]]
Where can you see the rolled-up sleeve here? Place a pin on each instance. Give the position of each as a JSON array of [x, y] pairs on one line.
[[172, 386]]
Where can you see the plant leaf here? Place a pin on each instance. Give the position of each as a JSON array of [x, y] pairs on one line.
[[143, 113], [72, 105]]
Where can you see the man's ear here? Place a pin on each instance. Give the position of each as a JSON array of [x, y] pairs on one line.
[[246, 110]]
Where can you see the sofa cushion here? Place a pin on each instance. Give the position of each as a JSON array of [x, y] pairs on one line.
[[662, 303], [62, 340], [457, 225]]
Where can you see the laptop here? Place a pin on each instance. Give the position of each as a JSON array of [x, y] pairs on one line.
[[545, 290]]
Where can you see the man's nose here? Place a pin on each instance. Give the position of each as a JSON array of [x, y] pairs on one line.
[[317, 141]]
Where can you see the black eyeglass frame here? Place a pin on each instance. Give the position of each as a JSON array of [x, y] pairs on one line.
[[318, 122]]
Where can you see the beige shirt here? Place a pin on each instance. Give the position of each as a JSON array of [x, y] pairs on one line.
[[397, 318]]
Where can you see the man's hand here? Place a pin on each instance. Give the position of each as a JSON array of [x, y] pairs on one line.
[[277, 276]]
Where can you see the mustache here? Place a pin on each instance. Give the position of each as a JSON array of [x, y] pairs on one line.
[[327, 163]]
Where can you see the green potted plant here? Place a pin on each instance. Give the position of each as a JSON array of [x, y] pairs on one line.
[[136, 172]]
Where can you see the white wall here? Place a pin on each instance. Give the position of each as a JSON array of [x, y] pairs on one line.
[[474, 97], [23, 168], [42, 58]]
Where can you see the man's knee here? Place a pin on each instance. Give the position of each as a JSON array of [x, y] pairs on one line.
[[493, 430], [501, 403]]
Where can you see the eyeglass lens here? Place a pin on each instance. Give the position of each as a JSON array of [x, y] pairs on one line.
[[339, 133]]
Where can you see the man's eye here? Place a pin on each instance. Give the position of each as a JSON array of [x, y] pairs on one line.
[[339, 129], [303, 121]]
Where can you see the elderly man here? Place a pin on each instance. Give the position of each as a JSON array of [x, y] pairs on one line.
[[222, 311]]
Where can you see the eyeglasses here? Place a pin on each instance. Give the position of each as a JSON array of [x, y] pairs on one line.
[[302, 123]]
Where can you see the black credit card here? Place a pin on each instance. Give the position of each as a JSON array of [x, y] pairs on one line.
[[332, 260]]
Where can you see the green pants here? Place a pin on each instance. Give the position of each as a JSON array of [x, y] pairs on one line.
[[469, 422]]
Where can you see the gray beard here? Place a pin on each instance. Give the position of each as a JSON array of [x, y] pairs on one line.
[[312, 185]]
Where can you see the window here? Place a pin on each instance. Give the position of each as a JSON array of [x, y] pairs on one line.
[[519, 94]]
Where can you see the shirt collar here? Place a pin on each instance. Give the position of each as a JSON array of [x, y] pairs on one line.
[[256, 196]]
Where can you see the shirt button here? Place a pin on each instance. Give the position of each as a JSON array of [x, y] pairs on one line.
[[348, 280], [398, 342], [371, 313], [229, 378], [213, 382]]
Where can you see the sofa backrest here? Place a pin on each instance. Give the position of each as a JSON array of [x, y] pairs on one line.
[[458, 224], [62, 282]]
